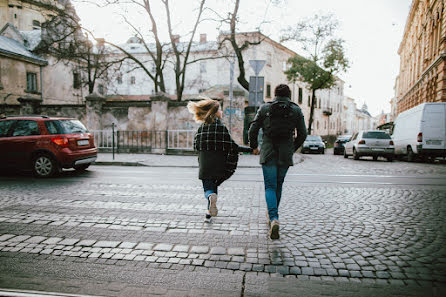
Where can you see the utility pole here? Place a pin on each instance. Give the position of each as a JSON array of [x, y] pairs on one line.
[[231, 90]]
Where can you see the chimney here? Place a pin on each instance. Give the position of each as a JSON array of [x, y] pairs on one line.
[[203, 38], [176, 38]]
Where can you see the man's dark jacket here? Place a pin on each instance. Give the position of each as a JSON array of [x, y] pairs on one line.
[[284, 149]]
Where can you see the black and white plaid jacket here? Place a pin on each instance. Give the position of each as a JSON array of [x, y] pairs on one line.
[[215, 137]]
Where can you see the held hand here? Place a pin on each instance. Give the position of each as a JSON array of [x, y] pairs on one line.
[[256, 151]]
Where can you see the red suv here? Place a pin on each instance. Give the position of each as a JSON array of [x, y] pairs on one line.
[[45, 144]]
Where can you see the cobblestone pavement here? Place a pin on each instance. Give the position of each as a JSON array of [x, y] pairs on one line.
[[139, 231]]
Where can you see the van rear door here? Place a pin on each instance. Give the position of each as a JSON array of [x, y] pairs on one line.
[[434, 126]]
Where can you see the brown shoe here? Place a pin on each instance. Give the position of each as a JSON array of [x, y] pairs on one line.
[[274, 230]]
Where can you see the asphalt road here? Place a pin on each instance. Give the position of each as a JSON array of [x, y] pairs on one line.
[[348, 228]]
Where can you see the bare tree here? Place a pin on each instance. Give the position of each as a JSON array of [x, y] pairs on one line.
[[240, 42], [181, 55], [62, 38]]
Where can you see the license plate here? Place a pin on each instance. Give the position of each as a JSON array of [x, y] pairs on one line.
[[83, 142], [434, 142], [378, 149], [314, 148]]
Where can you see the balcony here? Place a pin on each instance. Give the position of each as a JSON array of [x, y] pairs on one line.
[[327, 111]]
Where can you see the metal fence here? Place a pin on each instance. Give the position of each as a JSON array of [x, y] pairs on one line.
[[144, 141]]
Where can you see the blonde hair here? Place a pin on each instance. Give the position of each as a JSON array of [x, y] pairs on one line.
[[204, 111]]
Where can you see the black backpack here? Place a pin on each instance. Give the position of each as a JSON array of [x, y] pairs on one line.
[[280, 121]]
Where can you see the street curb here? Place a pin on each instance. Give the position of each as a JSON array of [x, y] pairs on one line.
[[30, 293], [137, 164]]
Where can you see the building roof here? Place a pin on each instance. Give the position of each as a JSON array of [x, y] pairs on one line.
[[14, 49], [31, 38], [133, 47]]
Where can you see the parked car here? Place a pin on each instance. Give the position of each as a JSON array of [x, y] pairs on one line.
[[338, 148], [45, 144], [421, 132], [374, 143], [313, 143]]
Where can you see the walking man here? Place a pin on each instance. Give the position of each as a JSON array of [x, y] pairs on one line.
[[284, 132]]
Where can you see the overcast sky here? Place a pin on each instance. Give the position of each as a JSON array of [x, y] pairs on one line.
[[372, 31]]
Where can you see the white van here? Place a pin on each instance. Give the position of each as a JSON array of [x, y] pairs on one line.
[[421, 131]]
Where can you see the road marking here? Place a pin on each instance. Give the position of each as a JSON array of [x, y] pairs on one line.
[[16, 293]]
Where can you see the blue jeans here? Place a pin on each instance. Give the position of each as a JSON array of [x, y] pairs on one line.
[[210, 186], [273, 176]]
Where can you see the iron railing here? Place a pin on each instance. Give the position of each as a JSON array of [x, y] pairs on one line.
[[143, 141]]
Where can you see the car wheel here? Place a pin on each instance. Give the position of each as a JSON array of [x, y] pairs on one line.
[[375, 158], [389, 159], [44, 165], [82, 167], [323, 151], [410, 154], [345, 154], [355, 155]]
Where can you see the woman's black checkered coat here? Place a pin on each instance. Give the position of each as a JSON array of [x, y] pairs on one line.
[[217, 152]]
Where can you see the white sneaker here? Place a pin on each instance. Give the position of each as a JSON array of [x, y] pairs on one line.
[[274, 230], [213, 204]]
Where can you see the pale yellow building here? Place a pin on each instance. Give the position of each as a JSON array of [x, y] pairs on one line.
[[27, 15], [422, 51]]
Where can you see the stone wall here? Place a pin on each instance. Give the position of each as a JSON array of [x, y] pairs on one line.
[[158, 114], [9, 109]]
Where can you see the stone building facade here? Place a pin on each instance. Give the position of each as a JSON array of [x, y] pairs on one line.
[[28, 15], [53, 80], [356, 119], [422, 51]]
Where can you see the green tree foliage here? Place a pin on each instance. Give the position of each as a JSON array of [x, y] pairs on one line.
[[325, 55]]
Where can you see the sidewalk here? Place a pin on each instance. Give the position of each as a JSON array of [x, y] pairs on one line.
[[153, 160]]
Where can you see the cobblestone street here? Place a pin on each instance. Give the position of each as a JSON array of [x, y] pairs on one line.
[[375, 227]]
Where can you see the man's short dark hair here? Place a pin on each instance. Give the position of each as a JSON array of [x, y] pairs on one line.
[[282, 90]]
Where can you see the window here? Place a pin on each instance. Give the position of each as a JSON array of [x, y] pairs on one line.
[[119, 79], [320, 103], [309, 101], [376, 135], [101, 89], [132, 80], [76, 80], [4, 127], [284, 66], [25, 128], [268, 90], [36, 25], [31, 82], [300, 96], [65, 127], [268, 59], [203, 67]]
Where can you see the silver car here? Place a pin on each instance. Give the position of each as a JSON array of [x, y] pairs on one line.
[[313, 143], [373, 143]]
